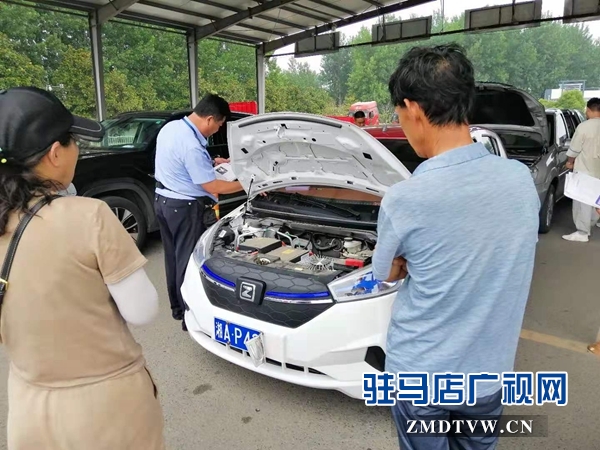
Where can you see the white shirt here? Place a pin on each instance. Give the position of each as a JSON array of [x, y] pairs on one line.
[[585, 148]]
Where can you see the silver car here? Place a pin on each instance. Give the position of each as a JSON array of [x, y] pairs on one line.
[[521, 123]]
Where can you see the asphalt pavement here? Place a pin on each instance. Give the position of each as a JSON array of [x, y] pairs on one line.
[[210, 404]]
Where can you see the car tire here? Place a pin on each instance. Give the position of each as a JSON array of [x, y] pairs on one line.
[[547, 211], [132, 218]]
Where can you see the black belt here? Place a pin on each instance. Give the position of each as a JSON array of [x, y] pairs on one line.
[[206, 201]]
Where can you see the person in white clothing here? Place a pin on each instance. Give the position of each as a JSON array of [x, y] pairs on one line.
[[584, 157]]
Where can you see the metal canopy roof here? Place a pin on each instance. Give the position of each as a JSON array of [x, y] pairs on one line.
[[271, 23]]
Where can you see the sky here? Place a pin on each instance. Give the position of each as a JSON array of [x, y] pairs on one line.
[[451, 8]]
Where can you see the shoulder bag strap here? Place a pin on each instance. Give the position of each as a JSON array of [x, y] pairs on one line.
[[14, 242]]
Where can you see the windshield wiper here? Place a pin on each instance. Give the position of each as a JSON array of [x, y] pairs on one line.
[[317, 203]]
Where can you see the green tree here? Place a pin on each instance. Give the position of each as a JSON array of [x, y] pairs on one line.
[[571, 100], [335, 72], [77, 91], [534, 59], [17, 69]]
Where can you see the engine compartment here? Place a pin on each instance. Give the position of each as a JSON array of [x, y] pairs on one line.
[[301, 248]]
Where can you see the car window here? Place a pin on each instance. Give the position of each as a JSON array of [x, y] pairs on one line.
[[404, 152], [552, 126], [488, 144], [571, 123], [131, 133], [561, 127]]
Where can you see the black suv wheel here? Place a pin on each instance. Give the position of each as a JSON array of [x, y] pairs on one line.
[[131, 216], [547, 211]]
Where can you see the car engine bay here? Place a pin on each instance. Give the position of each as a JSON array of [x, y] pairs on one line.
[[301, 248]]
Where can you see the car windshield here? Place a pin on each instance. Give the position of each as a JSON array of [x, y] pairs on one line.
[[129, 133], [322, 201]]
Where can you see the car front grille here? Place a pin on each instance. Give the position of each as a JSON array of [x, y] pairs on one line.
[[288, 314]]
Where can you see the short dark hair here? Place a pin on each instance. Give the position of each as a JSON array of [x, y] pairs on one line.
[[359, 115], [441, 79], [594, 104], [213, 105]]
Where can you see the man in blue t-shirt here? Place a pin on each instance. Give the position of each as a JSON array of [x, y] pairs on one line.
[[462, 232], [187, 188]]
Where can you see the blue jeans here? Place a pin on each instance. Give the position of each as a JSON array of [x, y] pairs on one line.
[[487, 408]]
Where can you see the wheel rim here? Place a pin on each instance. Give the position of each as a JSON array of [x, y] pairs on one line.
[[550, 211], [128, 221]]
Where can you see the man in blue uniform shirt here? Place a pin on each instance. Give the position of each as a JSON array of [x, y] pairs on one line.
[[187, 189], [462, 232]]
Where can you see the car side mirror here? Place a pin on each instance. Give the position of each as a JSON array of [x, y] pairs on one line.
[[565, 141]]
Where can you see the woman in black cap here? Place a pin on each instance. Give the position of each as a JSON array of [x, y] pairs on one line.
[[71, 279]]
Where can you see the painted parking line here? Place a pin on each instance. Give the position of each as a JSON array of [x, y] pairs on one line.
[[554, 341]]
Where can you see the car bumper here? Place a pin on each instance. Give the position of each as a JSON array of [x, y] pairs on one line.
[[328, 352]]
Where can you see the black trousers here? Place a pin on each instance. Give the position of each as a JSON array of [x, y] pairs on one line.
[[181, 222]]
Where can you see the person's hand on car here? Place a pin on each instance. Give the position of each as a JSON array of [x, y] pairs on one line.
[[221, 161], [569, 165]]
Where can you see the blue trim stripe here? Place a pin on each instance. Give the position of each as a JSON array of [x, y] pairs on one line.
[[294, 295], [289, 295], [216, 277]]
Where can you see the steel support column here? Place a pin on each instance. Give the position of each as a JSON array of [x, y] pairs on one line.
[[192, 52], [98, 65], [260, 79]]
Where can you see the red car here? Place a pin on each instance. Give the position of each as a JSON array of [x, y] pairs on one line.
[[394, 139]]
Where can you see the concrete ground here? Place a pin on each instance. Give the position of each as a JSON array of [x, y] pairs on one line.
[[209, 403]]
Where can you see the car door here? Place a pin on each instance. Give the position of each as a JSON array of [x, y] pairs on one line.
[[572, 122], [562, 146], [490, 141]]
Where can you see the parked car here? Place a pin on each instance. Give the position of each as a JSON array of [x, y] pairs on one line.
[[525, 130], [394, 139], [284, 287], [120, 169]]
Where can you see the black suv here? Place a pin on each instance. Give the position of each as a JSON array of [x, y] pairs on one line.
[[120, 169]]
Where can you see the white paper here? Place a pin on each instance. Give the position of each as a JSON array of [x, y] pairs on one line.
[[583, 188], [224, 172]]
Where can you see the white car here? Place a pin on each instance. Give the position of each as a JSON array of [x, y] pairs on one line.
[[283, 285]]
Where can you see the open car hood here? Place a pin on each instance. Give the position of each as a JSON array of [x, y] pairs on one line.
[[291, 149], [501, 104]]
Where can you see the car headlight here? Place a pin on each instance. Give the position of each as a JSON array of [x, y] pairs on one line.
[[202, 249], [360, 286]]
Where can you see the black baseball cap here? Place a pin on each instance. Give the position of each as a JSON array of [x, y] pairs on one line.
[[32, 119]]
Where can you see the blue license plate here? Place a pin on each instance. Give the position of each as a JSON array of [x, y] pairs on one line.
[[234, 335]]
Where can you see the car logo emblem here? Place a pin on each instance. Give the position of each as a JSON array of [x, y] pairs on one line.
[[247, 291]]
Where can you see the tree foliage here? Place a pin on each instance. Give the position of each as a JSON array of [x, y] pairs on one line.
[[16, 68], [146, 68], [534, 59], [568, 100]]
